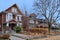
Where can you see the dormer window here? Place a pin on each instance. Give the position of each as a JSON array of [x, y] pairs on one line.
[[14, 9]]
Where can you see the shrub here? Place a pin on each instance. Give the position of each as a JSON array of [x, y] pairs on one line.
[[17, 28]]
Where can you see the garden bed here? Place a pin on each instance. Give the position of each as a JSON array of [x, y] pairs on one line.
[[4, 36], [35, 32], [38, 32], [33, 35]]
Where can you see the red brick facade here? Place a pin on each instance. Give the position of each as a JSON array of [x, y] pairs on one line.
[[9, 10]]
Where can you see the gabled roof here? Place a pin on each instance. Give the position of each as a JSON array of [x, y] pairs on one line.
[[33, 15], [13, 6]]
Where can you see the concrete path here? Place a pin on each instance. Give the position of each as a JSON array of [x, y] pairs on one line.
[[15, 38], [50, 38], [18, 36]]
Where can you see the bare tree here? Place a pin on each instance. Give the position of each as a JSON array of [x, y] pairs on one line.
[[49, 9]]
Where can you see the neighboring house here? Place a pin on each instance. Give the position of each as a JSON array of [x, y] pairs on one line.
[[11, 17], [32, 22], [55, 26], [29, 20], [42, 23]]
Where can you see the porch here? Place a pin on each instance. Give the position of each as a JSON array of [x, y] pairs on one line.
[[11, 24]]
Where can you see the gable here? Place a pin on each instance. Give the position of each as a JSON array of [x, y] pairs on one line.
[[14, 8], [33, 15]]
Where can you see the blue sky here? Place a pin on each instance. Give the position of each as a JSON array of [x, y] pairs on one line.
[[4, 4]]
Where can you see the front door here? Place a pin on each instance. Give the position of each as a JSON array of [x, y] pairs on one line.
[[12, 26]]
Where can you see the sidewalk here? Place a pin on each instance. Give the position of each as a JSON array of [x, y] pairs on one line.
[[23, 37], [50, 38], [18, 37]]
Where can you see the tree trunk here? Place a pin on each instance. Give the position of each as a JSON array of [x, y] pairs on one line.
[[49, 26]]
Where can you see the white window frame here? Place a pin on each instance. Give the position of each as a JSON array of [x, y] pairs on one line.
[[9, 16], [14, 9], [19, 18]]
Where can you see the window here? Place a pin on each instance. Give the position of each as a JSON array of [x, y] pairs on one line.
[[18, 17], [31, 21], [14, 9], [8, 16]]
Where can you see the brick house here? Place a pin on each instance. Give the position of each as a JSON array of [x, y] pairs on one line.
[[11, 17]]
